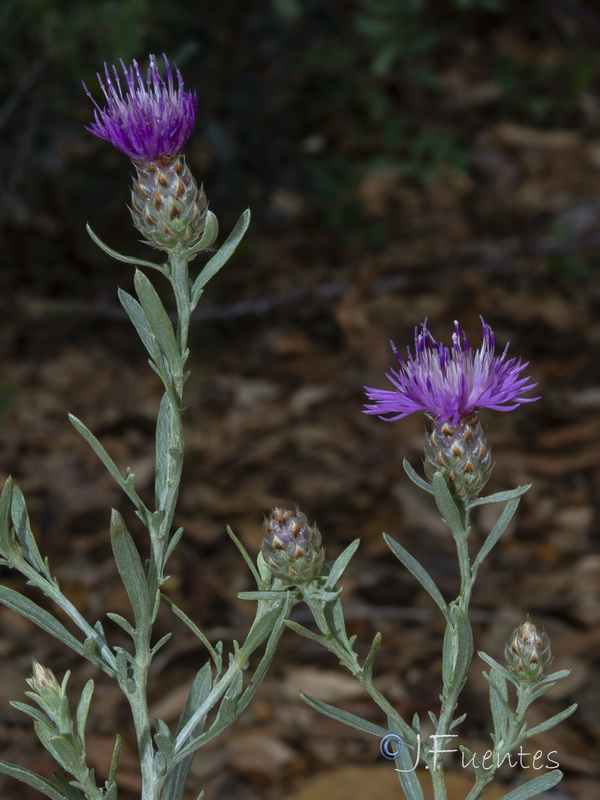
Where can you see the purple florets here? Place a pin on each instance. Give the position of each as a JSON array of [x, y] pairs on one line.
[[449, 384], [148, 120]]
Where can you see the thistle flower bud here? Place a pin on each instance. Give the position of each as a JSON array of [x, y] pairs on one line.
[[461, 452], [528, 653], [291, 547], [167, 207], [43, 678]]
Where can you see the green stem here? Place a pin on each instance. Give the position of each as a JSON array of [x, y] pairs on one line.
[[181, 288], [138, 702], [160, 527], [349, 659], [237, 664], [52, 590], [453, 687]]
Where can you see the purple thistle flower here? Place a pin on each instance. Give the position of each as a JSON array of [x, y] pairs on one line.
[[449, 384], [147, 120]]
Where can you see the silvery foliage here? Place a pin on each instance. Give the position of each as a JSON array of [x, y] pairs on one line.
[[220, 691], [220, 686]]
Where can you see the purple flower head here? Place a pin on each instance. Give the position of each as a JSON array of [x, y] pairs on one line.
[[449, 384], [147, 120]]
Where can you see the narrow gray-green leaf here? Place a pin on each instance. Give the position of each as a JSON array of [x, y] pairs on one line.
[[122, 623], [535, 787], [556, 676], [340, 564], [500, 497], [168, 455], [83, 707], [157, 318], [501, 525], [5, 503], [24, 533], [306, 632], [345, 717], [119, 256], [175, 539], [43, 619], [226, 715], [245, 556], [447, 505], [216, 657], [406, 765], [334, 614], [413, 566], [262, 626], [416, 478], [136, 314], [265, 662], [222, 255], [550, 723], [161, 642], [114, 762], [266, 595], [457, 648], [495, 665], [129, 565], [125, 483], [498, 704], [32, 779]]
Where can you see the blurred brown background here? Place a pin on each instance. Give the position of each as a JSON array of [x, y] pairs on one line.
[[402, 159]]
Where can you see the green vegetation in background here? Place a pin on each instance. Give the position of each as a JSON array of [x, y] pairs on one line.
[[74, 34]]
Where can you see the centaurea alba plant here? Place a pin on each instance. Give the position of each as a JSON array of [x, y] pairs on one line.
[[450, 385], [150, 119]]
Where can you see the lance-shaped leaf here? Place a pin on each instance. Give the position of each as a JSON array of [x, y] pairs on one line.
[[222, 255], [120, 257], [168, 454], [5, 504], [226, 714], [345, 717], [535, 787], [157, 318], [416, 478], [214, 653], [81, 713], [501, 711], [130, 568], [136, 314], [125, 482], [550, 723], [500, 526], [500, 497], [175, 781], [413, 566], [447, 506], [339, 565], [32, 779], [24, 533], [265, 662], [406, 764], [43, 619], [457, 649]]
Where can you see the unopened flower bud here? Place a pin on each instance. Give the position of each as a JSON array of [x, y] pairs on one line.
[[167, 207], [461, 453], [43, 678], [528, 653], [291, 547]]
